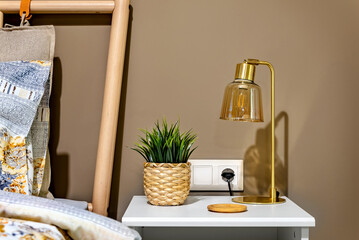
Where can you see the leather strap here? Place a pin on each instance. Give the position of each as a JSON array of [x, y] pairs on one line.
[[25, 8]]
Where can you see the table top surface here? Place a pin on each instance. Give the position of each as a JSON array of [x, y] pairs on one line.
[[194, 213]]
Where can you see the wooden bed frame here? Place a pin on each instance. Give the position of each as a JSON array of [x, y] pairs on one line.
[[116, 54]]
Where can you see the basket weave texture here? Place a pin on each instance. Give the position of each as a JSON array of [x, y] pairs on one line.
[[167, 184]]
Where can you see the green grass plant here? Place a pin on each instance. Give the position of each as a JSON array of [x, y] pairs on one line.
[[165, 144]]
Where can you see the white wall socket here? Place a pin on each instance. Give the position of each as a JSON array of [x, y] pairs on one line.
[[206, 174]]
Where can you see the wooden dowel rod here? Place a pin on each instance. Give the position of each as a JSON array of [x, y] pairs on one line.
[[60, 6], [110, 109], [1, 19]]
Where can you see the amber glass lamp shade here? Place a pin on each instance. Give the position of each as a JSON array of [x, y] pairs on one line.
[[242, 101]]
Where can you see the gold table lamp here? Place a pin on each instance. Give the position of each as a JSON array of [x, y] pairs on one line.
[[242, 101]]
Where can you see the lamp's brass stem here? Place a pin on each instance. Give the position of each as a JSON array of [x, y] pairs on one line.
[[272, 199], [273, 190]]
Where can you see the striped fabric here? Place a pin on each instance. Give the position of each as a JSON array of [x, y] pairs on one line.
[[8, 88]]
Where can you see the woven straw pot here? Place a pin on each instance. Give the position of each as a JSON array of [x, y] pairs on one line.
[[167, 184]]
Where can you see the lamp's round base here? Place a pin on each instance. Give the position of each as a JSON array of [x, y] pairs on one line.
[[257, 200]]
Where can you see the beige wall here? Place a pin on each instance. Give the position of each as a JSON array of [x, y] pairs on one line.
[[180, 58]]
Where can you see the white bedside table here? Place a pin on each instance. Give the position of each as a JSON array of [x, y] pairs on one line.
[[192, 220]]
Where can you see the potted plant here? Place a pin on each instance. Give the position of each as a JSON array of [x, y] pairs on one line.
[[167, 172]]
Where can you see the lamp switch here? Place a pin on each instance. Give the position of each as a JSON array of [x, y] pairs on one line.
[[206, 174]]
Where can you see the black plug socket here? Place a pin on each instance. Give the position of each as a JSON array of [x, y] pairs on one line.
[[228, 175]]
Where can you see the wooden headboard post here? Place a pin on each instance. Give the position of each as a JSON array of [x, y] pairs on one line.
[[1, 19], [110, 108]]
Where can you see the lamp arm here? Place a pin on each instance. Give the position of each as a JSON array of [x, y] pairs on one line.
[[273, 190]]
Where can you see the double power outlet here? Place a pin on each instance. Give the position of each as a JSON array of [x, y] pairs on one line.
[[206, 174]]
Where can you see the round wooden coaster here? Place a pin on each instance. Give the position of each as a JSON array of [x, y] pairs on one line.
[[227, 208]]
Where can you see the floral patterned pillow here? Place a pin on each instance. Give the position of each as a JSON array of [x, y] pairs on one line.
[[22, 85]]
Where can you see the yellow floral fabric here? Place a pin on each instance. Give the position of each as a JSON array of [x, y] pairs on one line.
[[13, 163]]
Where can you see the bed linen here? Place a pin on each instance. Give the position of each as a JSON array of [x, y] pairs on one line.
[[78, 223], [15, 229]]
